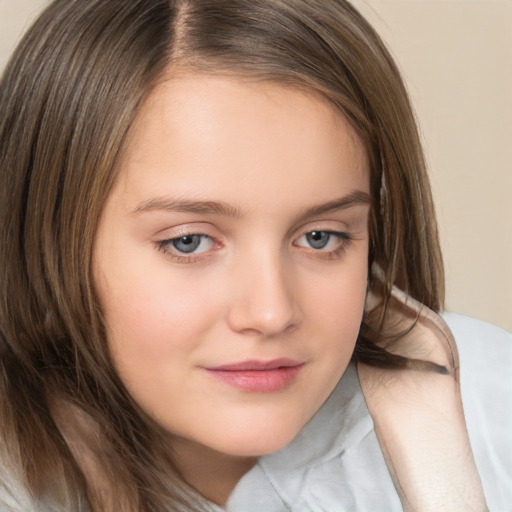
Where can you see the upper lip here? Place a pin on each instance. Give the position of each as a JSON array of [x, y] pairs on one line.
[[257, 365]]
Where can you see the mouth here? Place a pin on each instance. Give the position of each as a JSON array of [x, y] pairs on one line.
[[258, 376]]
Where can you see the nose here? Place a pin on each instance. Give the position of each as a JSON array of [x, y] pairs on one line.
[[264, 300]]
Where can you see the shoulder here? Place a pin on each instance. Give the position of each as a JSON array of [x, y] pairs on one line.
[[13, 497], [477, 338], [485, 355]]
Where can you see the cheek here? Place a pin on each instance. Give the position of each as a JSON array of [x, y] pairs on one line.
[[339, 300], [337, 309], [151, 316]]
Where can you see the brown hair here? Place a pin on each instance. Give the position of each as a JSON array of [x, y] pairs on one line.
[[67, 101]]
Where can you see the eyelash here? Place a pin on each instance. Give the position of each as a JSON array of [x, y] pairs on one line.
[[165, 246]]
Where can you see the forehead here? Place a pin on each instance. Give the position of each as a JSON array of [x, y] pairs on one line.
[[231, 136]]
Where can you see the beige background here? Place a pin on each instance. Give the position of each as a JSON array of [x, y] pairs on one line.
[[456, 56]]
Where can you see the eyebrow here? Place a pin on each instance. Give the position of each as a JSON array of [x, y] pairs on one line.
[[187, 206], [355, 198]]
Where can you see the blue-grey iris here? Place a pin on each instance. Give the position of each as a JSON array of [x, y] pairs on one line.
[[318, 239], [187, 244]]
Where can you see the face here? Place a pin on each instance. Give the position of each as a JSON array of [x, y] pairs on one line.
[[231, 260]]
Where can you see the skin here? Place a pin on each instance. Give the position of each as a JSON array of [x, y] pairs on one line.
[[255, 288]]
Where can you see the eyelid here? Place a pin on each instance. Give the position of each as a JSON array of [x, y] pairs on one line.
[[184, 229], [333, 226]]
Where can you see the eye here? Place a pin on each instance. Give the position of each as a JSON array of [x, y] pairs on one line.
[[187, 244], [323, 240]]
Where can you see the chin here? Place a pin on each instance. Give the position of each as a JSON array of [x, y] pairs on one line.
[[262, 442]]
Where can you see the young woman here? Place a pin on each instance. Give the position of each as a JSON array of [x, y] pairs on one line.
[[220, 271]]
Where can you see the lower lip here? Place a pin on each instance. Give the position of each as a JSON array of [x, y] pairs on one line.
[[258, 381]]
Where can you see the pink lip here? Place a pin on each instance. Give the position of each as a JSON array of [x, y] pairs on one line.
[[258, 376]]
